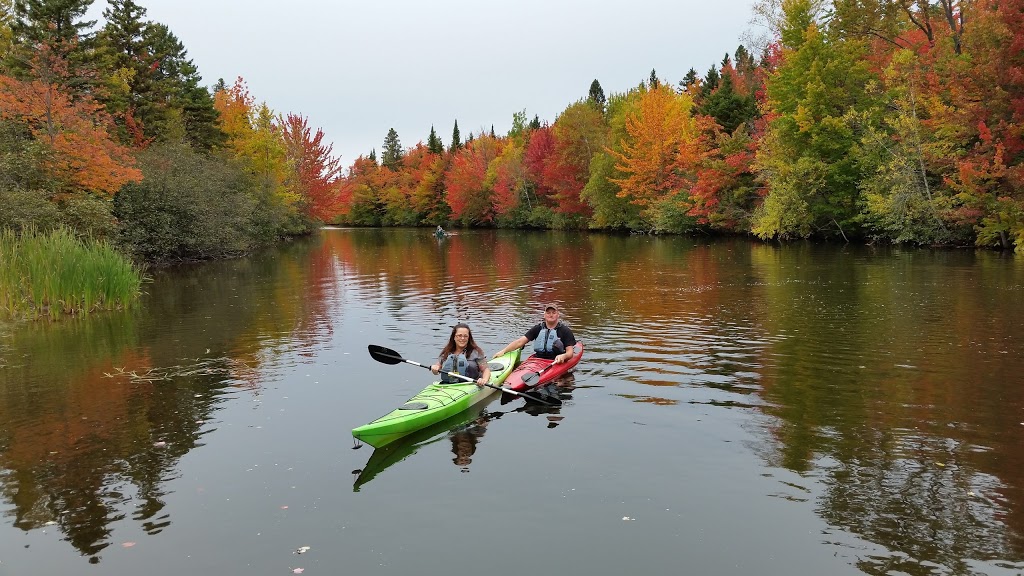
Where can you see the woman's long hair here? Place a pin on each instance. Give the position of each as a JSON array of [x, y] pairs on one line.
[[470, 344]]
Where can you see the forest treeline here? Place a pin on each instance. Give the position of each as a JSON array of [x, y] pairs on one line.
[[891, 120], [885, 120]]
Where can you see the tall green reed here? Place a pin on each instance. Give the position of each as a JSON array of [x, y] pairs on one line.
[[54, 273]]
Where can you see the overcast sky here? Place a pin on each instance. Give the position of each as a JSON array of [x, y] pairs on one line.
[[356, 69]]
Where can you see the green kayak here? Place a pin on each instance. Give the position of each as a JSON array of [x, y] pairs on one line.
[[433, 404]]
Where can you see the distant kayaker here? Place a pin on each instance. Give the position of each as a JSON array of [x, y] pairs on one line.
[[462, 355], [439, 232], [552, 338]]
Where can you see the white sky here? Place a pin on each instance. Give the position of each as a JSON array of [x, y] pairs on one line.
[[356, 69]]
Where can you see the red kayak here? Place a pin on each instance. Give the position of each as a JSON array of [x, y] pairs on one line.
[[536, 371]]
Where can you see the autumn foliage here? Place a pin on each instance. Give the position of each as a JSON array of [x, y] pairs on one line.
[[871, 121], [77, 133]]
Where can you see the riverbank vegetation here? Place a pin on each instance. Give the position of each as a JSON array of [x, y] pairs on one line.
[[55, 273], [882, 121]]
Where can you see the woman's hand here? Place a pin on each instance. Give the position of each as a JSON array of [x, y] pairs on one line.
[[480, 382], [435, 368]]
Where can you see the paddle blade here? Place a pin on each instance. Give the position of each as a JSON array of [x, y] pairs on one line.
[[531, 379], [385, 355]]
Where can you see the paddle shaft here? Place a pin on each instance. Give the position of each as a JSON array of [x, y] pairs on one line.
[[381, 351]]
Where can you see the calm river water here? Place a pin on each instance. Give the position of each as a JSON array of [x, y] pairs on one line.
[[741, 408]]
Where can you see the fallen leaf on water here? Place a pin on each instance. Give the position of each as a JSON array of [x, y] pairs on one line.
[[160, 444], [127, 544], [628, 519], [302, 550], [298, 571], [284, 507]]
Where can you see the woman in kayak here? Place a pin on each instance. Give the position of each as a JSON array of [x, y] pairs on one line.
[[552, 338], [462, 355]]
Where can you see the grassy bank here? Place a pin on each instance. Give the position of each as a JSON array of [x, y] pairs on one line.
[[55, 273]]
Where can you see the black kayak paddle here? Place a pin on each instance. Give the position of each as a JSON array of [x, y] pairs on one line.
[[389, 356]]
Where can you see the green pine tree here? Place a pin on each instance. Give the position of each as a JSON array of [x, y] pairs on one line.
[[711, 80], [434, 143], [596, 95], [50, 21], [689, 80], [727, 107], [391, 154], [456, 140], [56, 26]]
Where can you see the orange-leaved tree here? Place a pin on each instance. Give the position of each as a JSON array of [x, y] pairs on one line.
[[660, 145], [470, 194], [315, 170], [76, 131]]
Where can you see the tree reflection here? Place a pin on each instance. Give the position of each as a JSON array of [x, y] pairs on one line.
[[876, 393], [93, 429]]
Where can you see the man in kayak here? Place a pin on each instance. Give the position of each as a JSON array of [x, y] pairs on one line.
[[461, 354], [552, 338]]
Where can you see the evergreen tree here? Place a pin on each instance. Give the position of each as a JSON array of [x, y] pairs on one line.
[[492, 131], [595, 97], [55, 26], [125, 55], [434, 143], [50, 21], [655, 83], [689, 80], [456, 140], [391, 154], [373, 156], [178, 84], [710, 82], [535, 123], [728, 107], [153, 88], [744, 60]]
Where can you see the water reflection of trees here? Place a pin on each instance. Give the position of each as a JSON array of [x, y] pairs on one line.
[[878, 393], [92, 430]]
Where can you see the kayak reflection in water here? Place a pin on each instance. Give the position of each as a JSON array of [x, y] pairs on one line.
[[557, 392]]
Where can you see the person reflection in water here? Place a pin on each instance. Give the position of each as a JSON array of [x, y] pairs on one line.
[[464, 441]]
